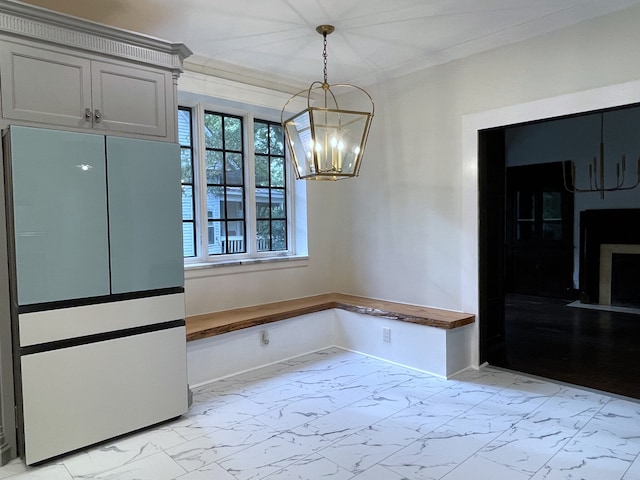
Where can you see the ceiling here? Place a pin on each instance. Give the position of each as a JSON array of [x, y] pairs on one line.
[[374, 39]]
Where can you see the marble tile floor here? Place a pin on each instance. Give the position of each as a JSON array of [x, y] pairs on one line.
[[340, 415]]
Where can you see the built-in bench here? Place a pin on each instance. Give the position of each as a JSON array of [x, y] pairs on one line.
[[231, 341], [217, 323]]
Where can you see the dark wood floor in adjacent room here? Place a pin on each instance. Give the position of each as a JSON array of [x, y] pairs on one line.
[[591, 348]]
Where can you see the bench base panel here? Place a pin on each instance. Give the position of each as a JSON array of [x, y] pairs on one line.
[[428, 349]]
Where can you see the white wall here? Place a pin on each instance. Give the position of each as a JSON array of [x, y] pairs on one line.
[[406, 229]]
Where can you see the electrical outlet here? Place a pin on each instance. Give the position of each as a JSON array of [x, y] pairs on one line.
[[386, 335]]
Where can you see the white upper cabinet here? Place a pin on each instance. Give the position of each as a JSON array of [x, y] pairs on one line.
[[44, 86], [127, 99], [61, 71]]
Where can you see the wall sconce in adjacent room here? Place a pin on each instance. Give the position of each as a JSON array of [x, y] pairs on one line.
[[325, 141]]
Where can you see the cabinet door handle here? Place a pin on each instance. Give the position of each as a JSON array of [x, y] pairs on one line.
[[98, 115], [88, 114]]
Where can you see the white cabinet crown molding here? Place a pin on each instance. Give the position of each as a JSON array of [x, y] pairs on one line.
[[27, 21]]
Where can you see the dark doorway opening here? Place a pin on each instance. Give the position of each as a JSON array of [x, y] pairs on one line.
[[526, 282]]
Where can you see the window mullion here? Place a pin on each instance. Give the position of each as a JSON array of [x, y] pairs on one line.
[[290, 194], [250, 182], [201, 181]]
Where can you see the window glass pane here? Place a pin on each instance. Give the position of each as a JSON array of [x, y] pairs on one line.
[[215, 234], [279, 235], [263, 235], [184, 127], [278, 198], [277, 172], [234, 169], [235, 237], [187, 202], [186, 165], [261, 138], [215, 199], [263, 203], [188, 239], [276, 140], [232, 134], [213, 130], [551, 206], [234, 203], [262, 171], [277, 210], [215, 167]]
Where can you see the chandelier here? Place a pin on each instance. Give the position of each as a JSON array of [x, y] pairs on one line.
[[327, 142], [596, 173]]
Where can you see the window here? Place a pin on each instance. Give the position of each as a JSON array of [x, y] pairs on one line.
[[224, 166], [270, 175], [235, 186]]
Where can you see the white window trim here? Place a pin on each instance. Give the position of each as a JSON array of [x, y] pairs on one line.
[[296, 198]]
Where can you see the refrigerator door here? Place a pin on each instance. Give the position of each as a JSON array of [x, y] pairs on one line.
[[60, 222], [145, 217]]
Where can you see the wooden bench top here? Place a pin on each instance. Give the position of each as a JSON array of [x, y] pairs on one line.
[[217, 323]]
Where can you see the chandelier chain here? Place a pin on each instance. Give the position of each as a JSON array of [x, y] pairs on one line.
[[324, 55]]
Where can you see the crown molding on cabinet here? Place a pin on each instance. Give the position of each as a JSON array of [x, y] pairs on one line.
[[35, 23]]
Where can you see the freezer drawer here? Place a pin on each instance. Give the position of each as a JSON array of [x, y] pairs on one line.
[[77, 396], [46, 326]]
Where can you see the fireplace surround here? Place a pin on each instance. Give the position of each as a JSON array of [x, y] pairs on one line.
[[613, 232], [619, 275]]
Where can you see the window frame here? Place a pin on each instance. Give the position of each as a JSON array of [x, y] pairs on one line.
[[252, 255], [271, 187]]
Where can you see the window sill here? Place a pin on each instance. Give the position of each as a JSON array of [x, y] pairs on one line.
[[210, 269]]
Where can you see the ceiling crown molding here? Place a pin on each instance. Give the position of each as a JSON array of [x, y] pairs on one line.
[[248, 76], [27, 21]]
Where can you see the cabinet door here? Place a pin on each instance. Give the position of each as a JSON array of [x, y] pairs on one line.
[[144, 215], [44, 87], [60, 222], [128, 99]]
